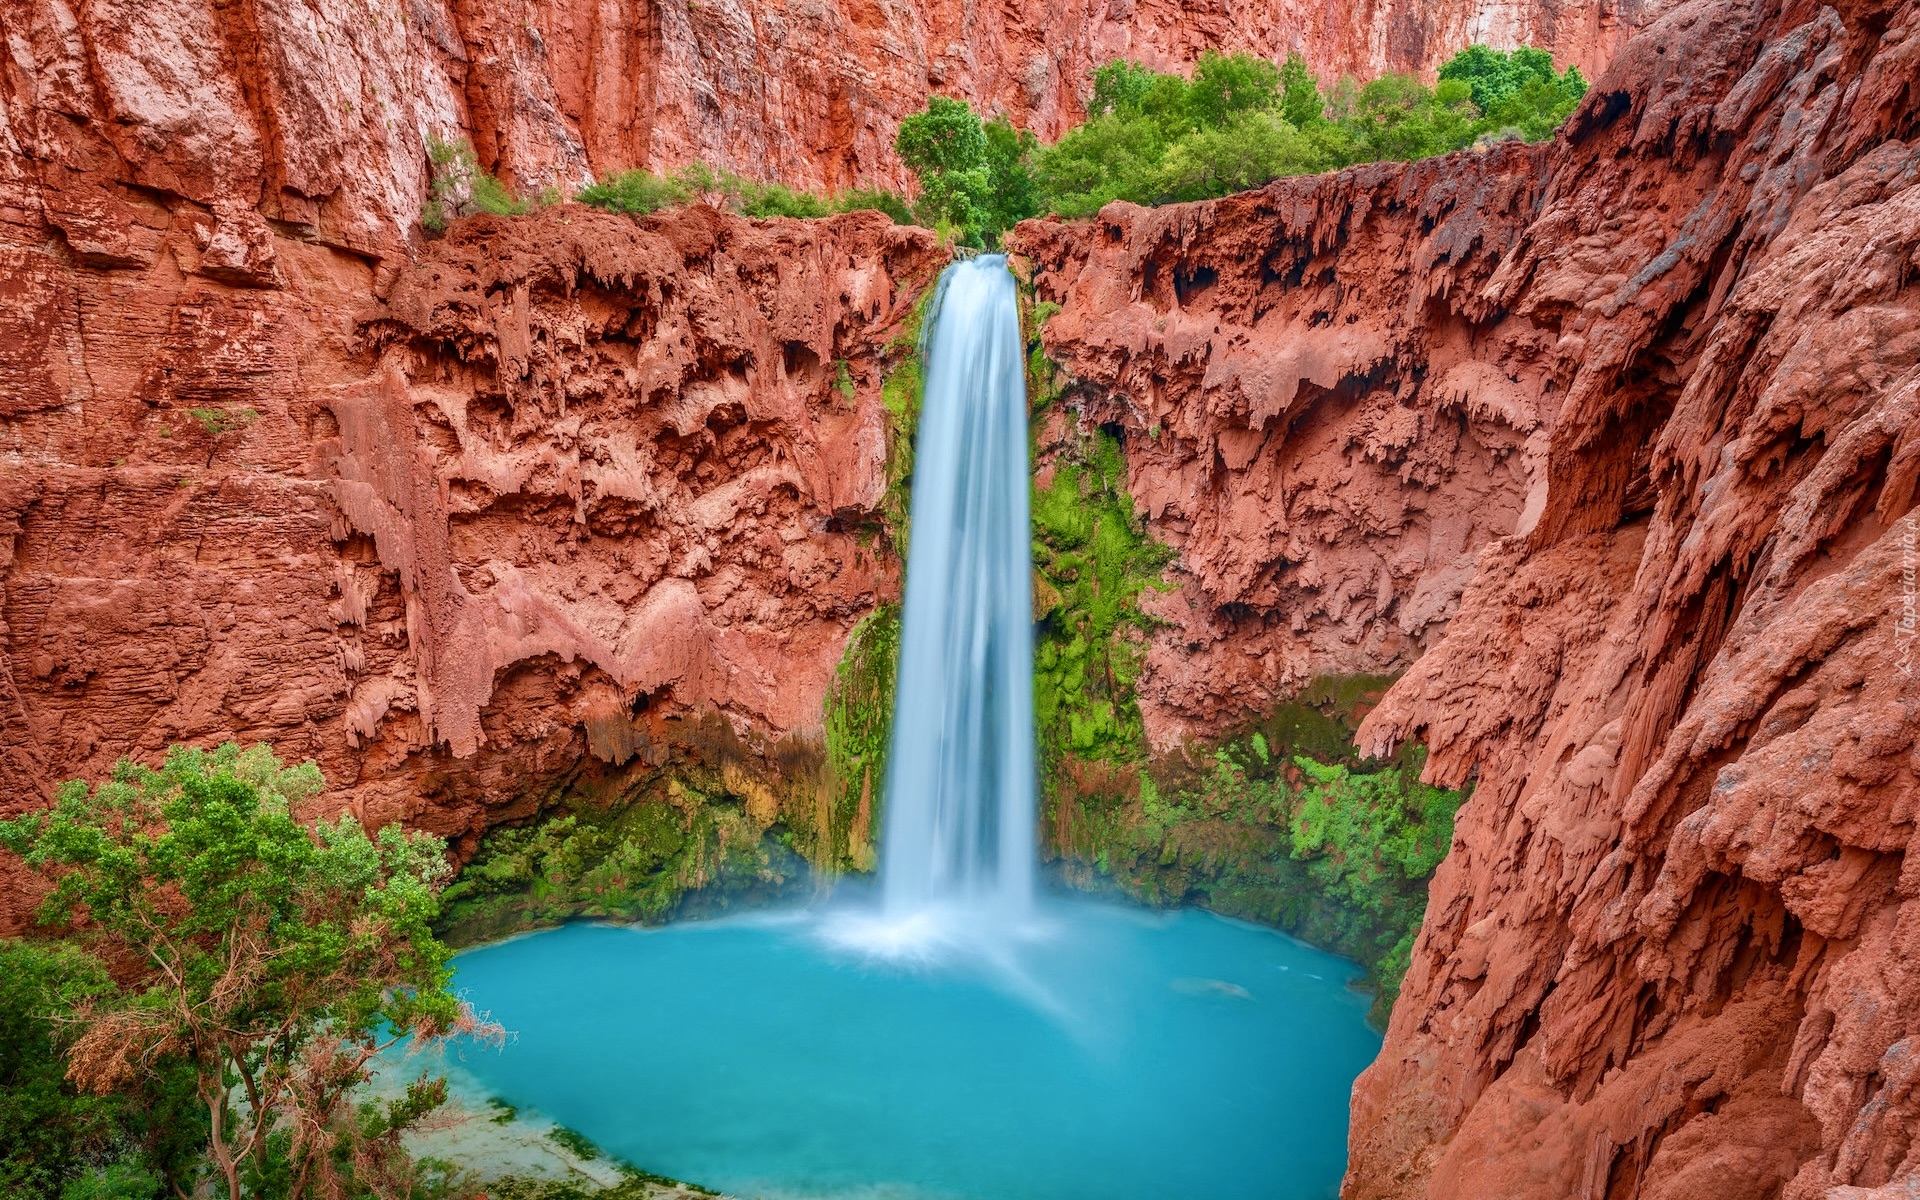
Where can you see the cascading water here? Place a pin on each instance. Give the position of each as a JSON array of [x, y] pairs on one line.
[[1031, 1049], [959, 829]]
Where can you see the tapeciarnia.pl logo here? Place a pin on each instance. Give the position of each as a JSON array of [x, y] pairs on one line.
[[1904, 625]]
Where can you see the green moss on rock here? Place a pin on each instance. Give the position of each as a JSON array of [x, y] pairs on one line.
[[1281, 824], [859, 722], [700, 822], [1338, 852], [1092, 559], [900, 394]]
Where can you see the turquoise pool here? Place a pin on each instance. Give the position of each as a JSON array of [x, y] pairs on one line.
[[1104, 1053]]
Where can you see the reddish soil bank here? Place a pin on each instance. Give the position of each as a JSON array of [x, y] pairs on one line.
[[1614, 445]]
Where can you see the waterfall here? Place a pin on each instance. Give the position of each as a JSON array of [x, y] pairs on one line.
[[959, 825]]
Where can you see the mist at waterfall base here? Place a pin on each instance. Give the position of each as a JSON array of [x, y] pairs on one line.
[[947, 1034]]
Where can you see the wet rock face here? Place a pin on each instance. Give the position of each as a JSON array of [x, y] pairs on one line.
[[1670, 953], [1313, 416], [577, 480], [315, 114]]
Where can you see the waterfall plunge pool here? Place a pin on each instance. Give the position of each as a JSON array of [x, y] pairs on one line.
[[961, 1039], [1099, 1052]]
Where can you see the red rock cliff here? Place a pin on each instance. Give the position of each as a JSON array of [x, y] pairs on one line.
[[526, 515], [1616, 444], [316, 115]]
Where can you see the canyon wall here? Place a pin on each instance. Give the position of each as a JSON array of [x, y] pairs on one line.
[[575, 494], [1315, 416], [316, 116], [1614, 445]]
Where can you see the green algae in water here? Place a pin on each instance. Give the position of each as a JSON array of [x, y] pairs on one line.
[[1113, 1054]]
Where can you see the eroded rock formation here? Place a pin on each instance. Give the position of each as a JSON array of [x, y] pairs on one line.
[[1315, 418], [1670, 954], [1612, 445], [581, 489]]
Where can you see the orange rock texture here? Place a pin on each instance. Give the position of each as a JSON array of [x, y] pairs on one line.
[[1671, 364], [573, 491], [315, 115], [1327, 441]]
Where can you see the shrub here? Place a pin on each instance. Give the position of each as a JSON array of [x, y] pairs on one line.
[[875, 200], [636, 192], [56, 1139], [217, 421], [777, 200], [641, 192], [457, 187]]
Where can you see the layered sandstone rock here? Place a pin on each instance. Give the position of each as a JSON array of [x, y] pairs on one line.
[[1669, 954], [316, 115], [580, 491]]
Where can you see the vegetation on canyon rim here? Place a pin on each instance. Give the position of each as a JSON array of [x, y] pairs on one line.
[[1150, 137], [236, 973], [1154, 138]]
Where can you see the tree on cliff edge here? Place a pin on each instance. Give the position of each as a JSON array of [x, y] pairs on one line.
[[274, 957]]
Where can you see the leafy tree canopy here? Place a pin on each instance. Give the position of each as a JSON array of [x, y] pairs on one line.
[[1241, 121], [57, 1141], [274, 957], [1494, 75]]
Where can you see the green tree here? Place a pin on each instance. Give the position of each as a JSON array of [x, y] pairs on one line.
[[1398, 117], [275, 958], [1494, 75], [1120, 87], [1516, 92], [1246, 152], [1013, 193], [1112, 157], [945, 146], [1227, 85], [1300, 100], [1537, 107]]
